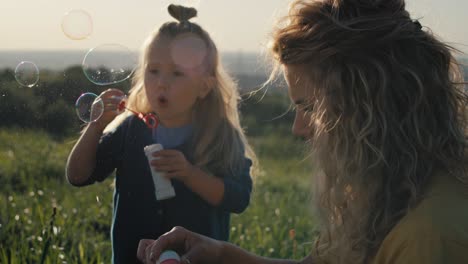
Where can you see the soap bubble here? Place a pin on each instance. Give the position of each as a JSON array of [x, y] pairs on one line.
[[89, 107], [27, 74], [77, 24], [109, 64]]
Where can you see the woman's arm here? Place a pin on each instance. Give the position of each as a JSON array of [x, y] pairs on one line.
[[231, 254], [195, 248]]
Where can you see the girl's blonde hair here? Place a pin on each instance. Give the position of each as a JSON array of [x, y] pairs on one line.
[[219, 142], [389, 113]]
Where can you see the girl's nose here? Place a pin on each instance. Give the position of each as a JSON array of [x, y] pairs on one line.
[[163, 82]]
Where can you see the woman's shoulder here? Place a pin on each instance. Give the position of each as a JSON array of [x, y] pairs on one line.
[[443, 208], [436, 227]]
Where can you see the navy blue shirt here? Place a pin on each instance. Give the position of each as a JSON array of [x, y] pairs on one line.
[[137, 213]]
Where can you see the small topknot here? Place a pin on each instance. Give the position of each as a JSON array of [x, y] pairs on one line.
[[182, 13]]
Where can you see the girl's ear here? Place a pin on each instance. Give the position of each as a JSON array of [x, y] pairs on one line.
[[208, 85]]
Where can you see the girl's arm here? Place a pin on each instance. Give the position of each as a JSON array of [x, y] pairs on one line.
[[209, 187], [231, 193], [82, 158]]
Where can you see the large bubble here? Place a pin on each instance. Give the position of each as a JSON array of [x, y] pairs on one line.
[[89, 107], [27, 73], [77, 24], [109, 64]]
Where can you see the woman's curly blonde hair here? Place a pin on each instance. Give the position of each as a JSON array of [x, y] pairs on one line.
[[390, 112]]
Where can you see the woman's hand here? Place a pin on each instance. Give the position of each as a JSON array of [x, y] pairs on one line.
[[192, 247], [111, 99], [173, 163]]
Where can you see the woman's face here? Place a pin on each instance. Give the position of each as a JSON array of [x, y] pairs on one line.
[[302, 99]]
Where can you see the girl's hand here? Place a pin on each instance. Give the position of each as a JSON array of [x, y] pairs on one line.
[[111, 99], [174, 163], [194, 248]]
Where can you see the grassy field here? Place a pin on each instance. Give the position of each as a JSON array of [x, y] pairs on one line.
[[45, 220]]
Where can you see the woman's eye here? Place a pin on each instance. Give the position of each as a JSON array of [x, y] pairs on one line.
[[154, 71], [308, 109]]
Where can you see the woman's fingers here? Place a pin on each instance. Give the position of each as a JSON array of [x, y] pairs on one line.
[[143, 247], [174, 239]]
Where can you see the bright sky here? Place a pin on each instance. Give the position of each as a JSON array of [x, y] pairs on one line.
[[235, 25]]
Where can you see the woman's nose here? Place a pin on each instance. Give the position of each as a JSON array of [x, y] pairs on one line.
[[301, 126]]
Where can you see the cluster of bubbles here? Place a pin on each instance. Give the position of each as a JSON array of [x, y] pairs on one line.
[[109, 64], [102, 65]]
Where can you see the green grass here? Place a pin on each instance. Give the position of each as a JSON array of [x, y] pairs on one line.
[[32, 184]]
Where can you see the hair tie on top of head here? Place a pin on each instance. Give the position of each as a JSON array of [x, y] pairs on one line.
[[182, 14], [185, 24]]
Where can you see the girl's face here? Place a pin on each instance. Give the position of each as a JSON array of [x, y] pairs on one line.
[[172, 88], [302, 99]]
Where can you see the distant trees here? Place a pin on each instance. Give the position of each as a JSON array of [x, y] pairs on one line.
[[49, 105]]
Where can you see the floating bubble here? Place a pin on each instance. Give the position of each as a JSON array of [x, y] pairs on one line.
[[77, 24], [89, 107], [27, 74], [188, 51], [109, 64]]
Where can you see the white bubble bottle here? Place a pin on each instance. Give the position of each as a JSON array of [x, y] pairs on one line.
[[169, 257], [162, 186]]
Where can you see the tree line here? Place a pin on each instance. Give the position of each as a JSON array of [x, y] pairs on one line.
[[50, 104]]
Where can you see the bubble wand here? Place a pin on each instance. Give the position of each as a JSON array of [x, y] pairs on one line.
[[150, 119]]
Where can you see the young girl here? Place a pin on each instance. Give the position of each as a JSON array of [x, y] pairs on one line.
[[205, 150]]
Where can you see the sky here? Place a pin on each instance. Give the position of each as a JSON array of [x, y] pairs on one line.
[[235, 25]]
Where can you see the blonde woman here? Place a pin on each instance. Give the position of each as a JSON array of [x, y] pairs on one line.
[[206, 154], [382, 103]]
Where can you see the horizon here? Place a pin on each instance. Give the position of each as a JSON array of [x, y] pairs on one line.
[[234, 62], [243, 63]]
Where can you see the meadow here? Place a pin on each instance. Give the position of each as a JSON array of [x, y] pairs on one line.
[[43, 219]]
